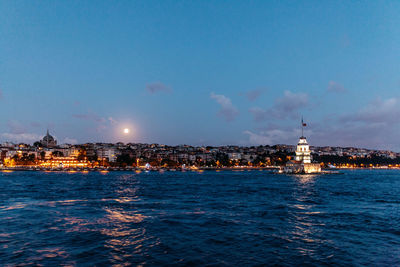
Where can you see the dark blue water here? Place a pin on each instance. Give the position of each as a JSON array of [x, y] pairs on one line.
[[209, 218]]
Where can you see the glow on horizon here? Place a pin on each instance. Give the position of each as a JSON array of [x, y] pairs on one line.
[[125, 131]]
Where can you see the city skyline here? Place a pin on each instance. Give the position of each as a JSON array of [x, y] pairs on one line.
[[201, 73]]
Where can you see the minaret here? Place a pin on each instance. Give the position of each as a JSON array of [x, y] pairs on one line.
[[47, 138]]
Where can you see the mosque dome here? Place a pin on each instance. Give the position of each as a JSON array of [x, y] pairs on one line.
[[48, 140]]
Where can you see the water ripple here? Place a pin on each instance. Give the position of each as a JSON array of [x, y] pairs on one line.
[[207, 218]]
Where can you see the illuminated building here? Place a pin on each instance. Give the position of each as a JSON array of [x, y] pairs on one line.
[[303, 152], [64, 162], [302, 163]]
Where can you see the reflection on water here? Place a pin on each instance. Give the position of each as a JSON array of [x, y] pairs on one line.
[[49, 254], [306, 178], [216, 218], [118, 216], [308, 232], [52, 253], [120, 230], [125, 231], [13, 206]]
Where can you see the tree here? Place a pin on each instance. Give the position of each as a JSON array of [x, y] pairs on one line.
[[211, 163], [124, 160], [93, 158], [37, 144], [223, 159]]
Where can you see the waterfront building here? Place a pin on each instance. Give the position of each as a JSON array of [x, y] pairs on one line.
[[64, 162], [302, 162]]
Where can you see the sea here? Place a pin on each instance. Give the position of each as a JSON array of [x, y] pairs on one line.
[[209, 218]]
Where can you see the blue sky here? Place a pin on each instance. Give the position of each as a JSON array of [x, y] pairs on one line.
[[201, 72]]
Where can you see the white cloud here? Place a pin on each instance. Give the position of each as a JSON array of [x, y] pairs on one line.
[[228, 110], [378, 111], [287, 106], [374, 126], [274, 136], [70, 141], [259, 114], [28, 138], [290, 102], [253, 94], [16, 127], [100, 122]]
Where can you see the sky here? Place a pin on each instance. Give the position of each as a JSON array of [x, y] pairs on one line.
[[201, 72]]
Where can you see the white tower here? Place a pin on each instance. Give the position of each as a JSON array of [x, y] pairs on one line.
[[303, 152]]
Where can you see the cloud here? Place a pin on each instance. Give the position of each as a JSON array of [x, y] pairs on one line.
[[335, 87], [253, 94], [90, 116], [101, 123], [70, 141], [373, 126], [112, 120], [264, 138], [19, 132], [35, 124], [284, 107], [227, 110], [378, 111], [16, 127], [290, 102], [331, 133], [373, 135], [20, 137], [259, 114], [274, 136], [156, 87]]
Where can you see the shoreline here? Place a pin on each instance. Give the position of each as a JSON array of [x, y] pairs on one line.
[[34, 169], [200, 169]]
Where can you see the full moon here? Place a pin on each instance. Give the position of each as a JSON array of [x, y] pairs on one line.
[[126, 131]]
